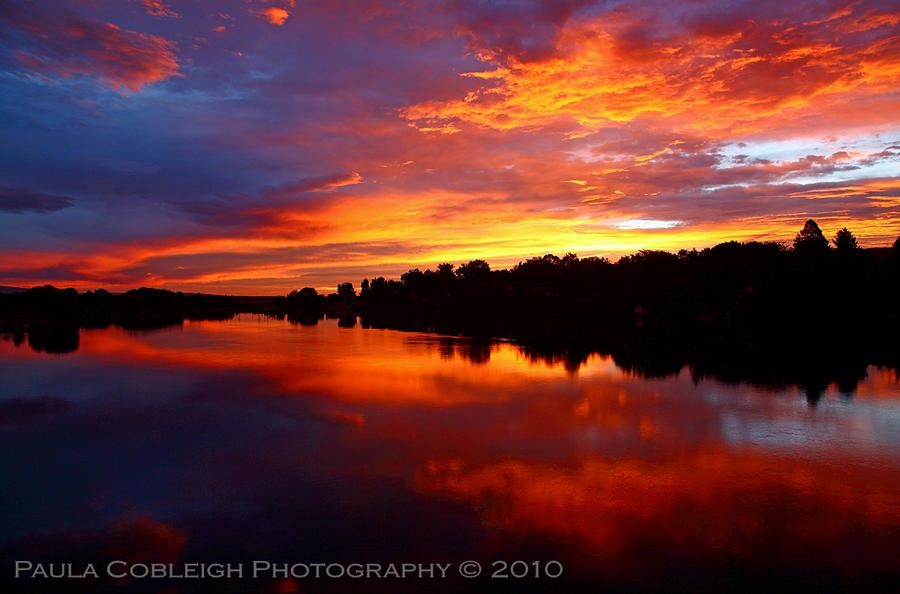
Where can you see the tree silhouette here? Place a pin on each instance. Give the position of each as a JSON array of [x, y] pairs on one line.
[[810, 238], [346, 291], [733, 311], [845, 241], [306, 298], [474, 270], [897, 254]]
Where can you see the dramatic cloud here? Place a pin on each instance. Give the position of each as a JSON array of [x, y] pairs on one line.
[[72, 47], [158, 8], [361, 138], [731, 79]]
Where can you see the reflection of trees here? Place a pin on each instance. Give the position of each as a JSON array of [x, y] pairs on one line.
[[56, 339], [17, 337], [475, 351], [571, 358], [447, 348], [737, 311], [305, 318]]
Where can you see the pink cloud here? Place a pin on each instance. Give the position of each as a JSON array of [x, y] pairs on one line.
[[120, 58], [158, 8]]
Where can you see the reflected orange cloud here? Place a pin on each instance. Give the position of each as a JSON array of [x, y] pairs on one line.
[[597, 458], [384, 367], [610, 504], [141, 539], [134, 538], [613, 464]]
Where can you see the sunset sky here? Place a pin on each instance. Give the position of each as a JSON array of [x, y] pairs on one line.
[[258, 146]]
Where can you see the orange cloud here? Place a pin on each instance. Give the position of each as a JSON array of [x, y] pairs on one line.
[[742, 81], [275, 15], [346, 237]]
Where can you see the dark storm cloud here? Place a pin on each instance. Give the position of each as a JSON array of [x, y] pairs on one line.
[[18, 200]]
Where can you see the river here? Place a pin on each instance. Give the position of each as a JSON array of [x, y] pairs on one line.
[[256, 439]]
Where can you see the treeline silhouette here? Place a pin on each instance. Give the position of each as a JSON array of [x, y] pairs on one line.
[[50, 318], [808, 314]]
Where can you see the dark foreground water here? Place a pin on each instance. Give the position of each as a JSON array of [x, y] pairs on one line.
[[257, 440]]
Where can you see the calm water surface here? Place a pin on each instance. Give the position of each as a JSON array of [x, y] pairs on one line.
[[257, 439]]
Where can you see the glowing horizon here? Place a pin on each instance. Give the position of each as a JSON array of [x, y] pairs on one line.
[[266, 145]]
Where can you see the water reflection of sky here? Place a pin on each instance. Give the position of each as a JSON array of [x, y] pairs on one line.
[[256, 437]]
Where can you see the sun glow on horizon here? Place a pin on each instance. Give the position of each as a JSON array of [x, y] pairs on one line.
[[594, 131]]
